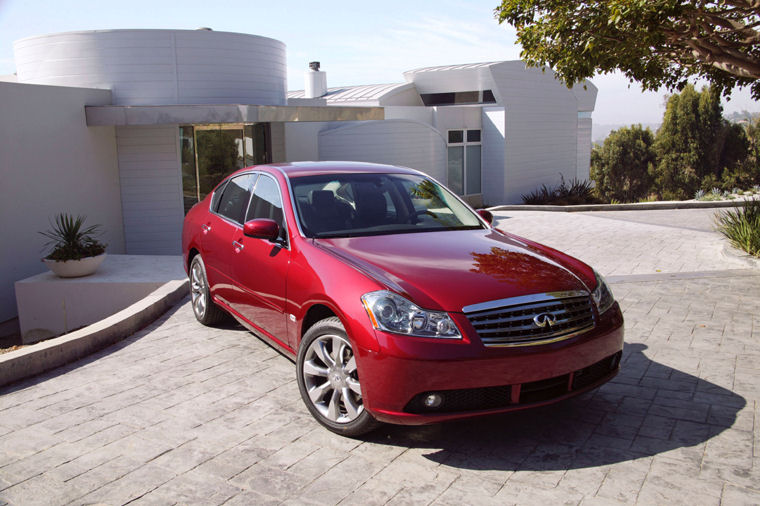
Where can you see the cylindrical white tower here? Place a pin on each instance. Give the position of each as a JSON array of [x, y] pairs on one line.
[[159, 67]]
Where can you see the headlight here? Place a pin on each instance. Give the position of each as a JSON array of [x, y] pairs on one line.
[[392, 313], [602, 294]]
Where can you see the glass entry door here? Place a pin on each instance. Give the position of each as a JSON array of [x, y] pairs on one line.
[[211, 152]]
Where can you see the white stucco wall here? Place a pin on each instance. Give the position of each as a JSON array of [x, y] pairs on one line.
[[492, 155], [453, 117], [394, 142], [51, 162], [585, 93], [453, 78], [302, 141], [153, 67], [405, 97], [421, 114], [541, 128], [151, 189]]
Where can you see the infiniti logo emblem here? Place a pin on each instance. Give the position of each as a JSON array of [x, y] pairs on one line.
[[544, 319]]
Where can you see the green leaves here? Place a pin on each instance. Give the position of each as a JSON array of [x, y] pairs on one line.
[[695, 144], [742, 226], [71, 240], [621, 166], [695, 147], [655, 42]]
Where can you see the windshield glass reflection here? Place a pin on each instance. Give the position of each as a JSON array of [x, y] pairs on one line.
[[352, 205]]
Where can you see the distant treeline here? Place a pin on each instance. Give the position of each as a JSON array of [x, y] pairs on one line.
[[695, 148]]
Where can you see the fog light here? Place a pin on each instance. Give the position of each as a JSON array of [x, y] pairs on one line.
[[432, 401]]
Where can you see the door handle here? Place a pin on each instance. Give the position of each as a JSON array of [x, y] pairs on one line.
[[206, 229], [238, 246]]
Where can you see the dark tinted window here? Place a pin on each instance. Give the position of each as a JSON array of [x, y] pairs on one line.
[[234, 200], [456, 136], [473, 135], [459, 97], [217, 197], [437, 98], [266, 202]]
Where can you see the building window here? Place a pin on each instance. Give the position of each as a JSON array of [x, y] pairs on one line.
[[459, 98], [464, 162], [211, 152]]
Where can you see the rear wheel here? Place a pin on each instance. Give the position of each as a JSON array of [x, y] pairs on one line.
[[205, 310], [328, 379]]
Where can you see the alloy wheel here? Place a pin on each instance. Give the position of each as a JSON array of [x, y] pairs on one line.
[[198, 289], [331, 379]]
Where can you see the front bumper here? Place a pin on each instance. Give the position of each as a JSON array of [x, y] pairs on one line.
[[475, 380]]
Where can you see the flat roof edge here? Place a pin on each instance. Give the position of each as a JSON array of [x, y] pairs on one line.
[[146, 115]]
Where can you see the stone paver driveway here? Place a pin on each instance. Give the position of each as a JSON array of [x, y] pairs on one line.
[[179, 413]]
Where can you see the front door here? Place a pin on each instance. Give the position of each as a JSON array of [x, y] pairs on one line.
[[261, 266]]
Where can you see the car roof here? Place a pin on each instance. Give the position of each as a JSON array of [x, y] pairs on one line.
[[299, 169]]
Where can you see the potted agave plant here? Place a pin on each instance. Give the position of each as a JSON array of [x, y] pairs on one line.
[[75, 250]]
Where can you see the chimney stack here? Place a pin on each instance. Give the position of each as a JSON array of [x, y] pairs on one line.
[[316, 81]]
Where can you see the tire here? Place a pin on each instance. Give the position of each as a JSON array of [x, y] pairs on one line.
[[205, 310], [328, 380]]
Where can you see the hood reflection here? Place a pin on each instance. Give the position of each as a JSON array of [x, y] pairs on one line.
[[511, 266]]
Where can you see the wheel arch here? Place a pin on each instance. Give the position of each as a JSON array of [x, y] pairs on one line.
[[317, 312], [190, 255]]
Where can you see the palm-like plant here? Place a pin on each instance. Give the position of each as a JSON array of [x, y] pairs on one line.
[[71, 240], [742, 226]]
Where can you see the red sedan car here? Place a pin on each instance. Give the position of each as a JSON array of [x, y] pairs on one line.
[[398, 302]]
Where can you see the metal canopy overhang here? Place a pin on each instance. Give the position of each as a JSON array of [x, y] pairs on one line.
[[136, 115]]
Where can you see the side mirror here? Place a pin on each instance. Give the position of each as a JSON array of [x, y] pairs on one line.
[[261, 228], [486, 215]]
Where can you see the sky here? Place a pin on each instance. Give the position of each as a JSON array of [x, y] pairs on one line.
[[356, 42]]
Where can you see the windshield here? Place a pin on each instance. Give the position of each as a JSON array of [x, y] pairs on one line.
[[351, 205]]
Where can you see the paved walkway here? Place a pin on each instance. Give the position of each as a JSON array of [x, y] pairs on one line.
[[660, 241], [179, 413]]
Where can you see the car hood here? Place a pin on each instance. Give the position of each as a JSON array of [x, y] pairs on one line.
[[448, 270]]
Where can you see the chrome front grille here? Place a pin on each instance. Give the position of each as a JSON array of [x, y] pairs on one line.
[[518, 321]]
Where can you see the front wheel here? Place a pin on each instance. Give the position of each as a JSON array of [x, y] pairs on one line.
[[328, 380]]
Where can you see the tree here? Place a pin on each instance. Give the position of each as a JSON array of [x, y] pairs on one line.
[[695, 145], [655, 42], [620, 167], [752, 129]]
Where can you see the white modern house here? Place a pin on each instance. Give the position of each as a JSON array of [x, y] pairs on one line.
[[132, 127], [491, 131]]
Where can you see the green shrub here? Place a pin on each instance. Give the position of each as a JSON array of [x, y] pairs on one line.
[[621, 165], [743, 176], [577, 192], [742, 226]]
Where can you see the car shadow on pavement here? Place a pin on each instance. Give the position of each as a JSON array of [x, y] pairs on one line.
[[648, 409]]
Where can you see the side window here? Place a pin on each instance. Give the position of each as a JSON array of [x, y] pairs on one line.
[[217, 197], [235, 197], [266, 202]]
